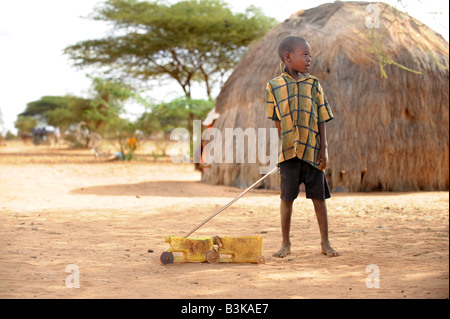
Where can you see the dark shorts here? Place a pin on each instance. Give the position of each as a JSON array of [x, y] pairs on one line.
[[294, 172]]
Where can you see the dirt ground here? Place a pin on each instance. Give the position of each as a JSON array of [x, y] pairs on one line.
[[61, 207]]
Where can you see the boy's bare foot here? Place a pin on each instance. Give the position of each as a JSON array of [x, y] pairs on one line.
[[329, 251], [283, 252]]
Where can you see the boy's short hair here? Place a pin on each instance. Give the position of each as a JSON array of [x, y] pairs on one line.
[[288, 45]]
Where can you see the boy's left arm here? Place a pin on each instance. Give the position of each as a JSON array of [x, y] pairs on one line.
[[322, 159], [325, 114]]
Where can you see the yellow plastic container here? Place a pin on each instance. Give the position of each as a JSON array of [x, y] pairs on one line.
[[240, 249], [214, 249], [192, 249]]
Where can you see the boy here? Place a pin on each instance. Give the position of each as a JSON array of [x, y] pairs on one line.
[[296, 102]]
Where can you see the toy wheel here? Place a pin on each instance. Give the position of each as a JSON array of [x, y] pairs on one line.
[[212, 257], [166, 258], [260, 259]]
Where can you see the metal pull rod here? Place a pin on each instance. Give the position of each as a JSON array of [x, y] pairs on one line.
[[232, 202]]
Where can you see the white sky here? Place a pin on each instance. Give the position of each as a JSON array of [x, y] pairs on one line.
[[34, 33]]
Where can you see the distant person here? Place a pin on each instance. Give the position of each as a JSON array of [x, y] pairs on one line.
[[35, 132], [117, 156], [56, 135], [43, 134], [297, 104]]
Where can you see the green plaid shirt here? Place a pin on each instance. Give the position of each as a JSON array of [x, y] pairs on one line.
[[300, 106]]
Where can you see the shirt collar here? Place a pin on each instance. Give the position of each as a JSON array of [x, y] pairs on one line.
[[303, 77]]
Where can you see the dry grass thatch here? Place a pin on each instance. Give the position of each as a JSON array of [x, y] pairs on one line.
[[388, 134]]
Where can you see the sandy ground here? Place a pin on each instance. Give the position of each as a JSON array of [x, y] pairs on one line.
[[60, 207]]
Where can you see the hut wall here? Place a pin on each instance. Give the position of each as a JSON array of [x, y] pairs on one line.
[[388, 134]]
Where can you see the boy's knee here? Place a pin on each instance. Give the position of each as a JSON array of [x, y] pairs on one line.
[[318, 201], [286, 202], [286, 205]]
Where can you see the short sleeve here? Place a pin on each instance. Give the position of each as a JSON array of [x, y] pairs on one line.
[[323, 107], [271, 104]]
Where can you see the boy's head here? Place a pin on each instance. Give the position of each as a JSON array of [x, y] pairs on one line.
[[295, 52]]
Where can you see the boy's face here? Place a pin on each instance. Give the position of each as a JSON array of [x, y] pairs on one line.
[[300, 59]]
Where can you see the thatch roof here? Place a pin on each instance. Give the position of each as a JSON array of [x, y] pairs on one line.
[[388, 134]]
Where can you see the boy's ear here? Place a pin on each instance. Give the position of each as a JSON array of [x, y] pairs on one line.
[[287, 57]]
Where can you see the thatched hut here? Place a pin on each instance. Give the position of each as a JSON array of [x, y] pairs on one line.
[[387, 82]]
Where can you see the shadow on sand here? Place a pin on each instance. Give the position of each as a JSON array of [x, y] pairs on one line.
[[158, 188]]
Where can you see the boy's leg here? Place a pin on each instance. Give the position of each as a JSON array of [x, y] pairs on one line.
[[320, 208], [285, 214]]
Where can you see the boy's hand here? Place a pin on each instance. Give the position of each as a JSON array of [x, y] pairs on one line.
[[322, 159]]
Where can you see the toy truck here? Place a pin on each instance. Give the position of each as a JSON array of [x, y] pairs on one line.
[[213, 250]]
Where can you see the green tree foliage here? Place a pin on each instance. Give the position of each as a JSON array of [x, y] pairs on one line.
[[106, 114], [189, 41], [181, 112], [177, 113], [72, 113], [24, 124], [44, 104], [9, 136], [107, 104], [58, 111]]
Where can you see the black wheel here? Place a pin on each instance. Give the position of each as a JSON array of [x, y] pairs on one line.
[[166, 258]]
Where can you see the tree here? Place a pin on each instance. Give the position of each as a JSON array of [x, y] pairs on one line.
[[45, 104], [70, 114], [189, 41], [24, 124], [100, 115], [178, 113], [58, 111], [181, 112], [105, 116]]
